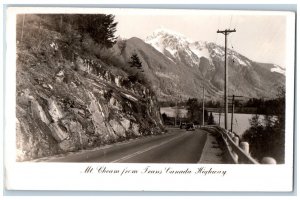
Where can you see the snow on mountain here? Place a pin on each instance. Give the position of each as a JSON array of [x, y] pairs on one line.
[[240, 61], [278, 69], [176, 46], [200, 50], [177, 65], [165, 40]]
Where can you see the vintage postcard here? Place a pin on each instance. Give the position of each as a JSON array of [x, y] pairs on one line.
[[149, 100]]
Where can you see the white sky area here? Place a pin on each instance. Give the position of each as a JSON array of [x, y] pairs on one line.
[[261, 38]]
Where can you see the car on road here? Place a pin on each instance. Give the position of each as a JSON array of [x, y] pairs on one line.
[[182, 125], [190, 127]]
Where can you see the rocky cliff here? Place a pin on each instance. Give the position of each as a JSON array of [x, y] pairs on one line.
[[68, 101]]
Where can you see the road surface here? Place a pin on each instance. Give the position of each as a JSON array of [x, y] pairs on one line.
[[177, 146]]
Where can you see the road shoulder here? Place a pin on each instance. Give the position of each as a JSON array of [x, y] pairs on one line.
[[212, 153]]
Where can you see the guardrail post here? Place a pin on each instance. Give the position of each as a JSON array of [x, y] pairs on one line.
[[239, 152], [268, 160], [231, 134], [235, 157], [245, 147], [236, 140]]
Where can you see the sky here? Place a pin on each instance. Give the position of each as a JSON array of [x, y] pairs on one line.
[[258, 36]]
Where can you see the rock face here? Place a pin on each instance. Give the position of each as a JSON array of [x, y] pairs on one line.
[[65, 105]]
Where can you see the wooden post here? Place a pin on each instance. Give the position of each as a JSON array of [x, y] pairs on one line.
[[268, 160], [236, 140], [203, 106], [225, 85], [226, 32], [176, 114], [235, 157], [245, 147], [219, 116], [232, 135], [232, 111]]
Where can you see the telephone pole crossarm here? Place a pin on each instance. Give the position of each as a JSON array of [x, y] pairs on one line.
[[226, 31]]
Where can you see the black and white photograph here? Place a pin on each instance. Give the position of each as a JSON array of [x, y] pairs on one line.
[[153, 87], [150, 89]]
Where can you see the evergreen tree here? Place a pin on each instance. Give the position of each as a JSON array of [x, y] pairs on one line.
[[267, 136], [135, 61], [100, 27], [211, 120], [195, 111], [164, 117]]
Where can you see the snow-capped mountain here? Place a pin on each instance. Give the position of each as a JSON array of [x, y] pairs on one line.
[[178, 47], [278, 69], [173, 45], [178, 67]]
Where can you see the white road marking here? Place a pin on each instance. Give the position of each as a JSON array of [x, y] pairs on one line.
[[145, 150]]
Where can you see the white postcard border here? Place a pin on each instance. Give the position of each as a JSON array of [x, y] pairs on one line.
[[70, 176]]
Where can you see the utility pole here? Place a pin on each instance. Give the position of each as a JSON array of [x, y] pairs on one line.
[[219, 116], [232, 111], [179, 111], [226, 32], [203, 106], [176, 114]]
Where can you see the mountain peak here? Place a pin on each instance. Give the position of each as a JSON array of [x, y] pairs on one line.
[[167, 37], [164, 31], [174, 44]]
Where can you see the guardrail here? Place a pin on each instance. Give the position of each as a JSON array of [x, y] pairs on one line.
[[239, 151]]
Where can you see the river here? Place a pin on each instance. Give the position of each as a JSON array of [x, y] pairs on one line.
[[240, 122]]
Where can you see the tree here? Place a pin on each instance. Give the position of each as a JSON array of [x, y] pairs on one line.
[[211, 120], [100, 27], [164, 117], [122, 45], [195, 110], [192, 107], [267, 136], [135, 61]]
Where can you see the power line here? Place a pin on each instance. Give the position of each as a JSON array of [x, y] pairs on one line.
[[203, 101]]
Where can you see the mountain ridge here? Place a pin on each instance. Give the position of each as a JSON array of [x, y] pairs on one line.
[[178, 69]]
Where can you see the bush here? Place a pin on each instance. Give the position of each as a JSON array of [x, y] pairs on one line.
[[267, 137]]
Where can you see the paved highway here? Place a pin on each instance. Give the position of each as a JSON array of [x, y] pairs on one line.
[[177, 146]]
